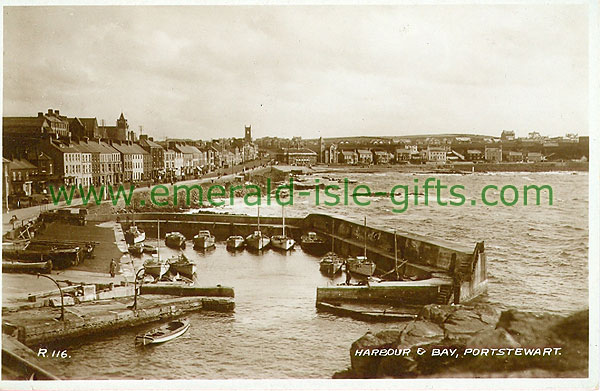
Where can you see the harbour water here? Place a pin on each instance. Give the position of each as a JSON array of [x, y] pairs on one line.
[[537, 261]]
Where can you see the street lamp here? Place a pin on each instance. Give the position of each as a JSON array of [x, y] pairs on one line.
[[134, 305], [62, 302]]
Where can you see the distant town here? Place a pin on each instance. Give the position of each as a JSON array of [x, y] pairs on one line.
[[51, 149]]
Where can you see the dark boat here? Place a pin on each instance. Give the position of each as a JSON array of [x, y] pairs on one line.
[[27, 267], [331, 264], [165, 333], [313, 244], [175, 240], [204, 240], [149, 249], [367, 313], [136, 249], [134, 235]]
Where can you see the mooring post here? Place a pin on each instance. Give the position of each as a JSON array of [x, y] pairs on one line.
[[62, 302]]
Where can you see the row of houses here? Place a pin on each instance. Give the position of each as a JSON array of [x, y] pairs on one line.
[[409, 153], [41, 151]]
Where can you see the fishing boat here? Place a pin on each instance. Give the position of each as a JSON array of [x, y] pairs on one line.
[[134, 235], [175, 240], [256, 240], [136, 249], [165, 333], [182, 265], [313, 244], [331, 263], [361, 264], [282, 242], [369, 313], [156, 267], [204, 240], [235, 242], [149, 249]]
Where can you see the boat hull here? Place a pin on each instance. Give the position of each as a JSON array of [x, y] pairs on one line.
[[175, 241], [282, 243], [203, 242], [156, 271], [164, 334], [258, 243], [315, 248], [235, 244], [187, 270]]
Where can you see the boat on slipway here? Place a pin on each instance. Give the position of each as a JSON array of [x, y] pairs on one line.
[[257, 240], [165, 333]]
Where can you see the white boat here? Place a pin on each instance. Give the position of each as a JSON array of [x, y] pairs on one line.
[[156, 267], [282, 242], [204, 240], [165, 333], [134, 235], [182, 265], [235, 242], [256, 240]]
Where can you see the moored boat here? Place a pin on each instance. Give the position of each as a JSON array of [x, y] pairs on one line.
[[136, 249], [165, 333], [175, 240], [360, 265], [134, 235], [257, 241], [282, 242], [156, 267], [203, 240], [182, 265], [235, 242], [149, 249], [313, 244], [331, 264]]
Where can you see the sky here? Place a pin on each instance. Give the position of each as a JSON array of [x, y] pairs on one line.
[[204, 72]]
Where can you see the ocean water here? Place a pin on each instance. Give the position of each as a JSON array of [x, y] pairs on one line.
[[537, 261]]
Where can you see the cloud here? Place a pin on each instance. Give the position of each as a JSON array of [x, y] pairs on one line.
[[206, 71]]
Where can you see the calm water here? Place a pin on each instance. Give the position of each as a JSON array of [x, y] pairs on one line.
[[537, 261]]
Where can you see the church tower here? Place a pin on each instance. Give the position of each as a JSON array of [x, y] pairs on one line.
[[248, 135]]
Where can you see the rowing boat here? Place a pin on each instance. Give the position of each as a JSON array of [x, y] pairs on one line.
[[165, 333]]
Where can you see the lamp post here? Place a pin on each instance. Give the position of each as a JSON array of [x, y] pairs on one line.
[[134, 305], [62, 302]]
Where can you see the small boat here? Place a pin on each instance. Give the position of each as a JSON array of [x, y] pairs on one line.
[[282, 242], [134, 235], [175, 240], [235, 242], [156, 267], [27, 267], [182, 265], [257, 241], [313, 244], [331, 264], [204, 240], [165, 333], [360, 265], [136, 249], [367, 314], [149, 249]]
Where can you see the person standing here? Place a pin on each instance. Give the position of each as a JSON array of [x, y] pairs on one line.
[[113, 268]]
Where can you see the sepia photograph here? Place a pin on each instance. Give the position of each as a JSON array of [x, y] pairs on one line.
[[294, 196]]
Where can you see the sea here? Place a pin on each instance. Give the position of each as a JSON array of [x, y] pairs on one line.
[[537, 258]]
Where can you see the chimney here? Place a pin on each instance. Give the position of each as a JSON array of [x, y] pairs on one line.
[[49, 111], [40, 114], [151, 138], [57, 112], [143, 137]]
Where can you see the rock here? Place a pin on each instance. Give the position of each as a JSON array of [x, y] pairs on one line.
[[436, 313], [421, 332], [464, 323]]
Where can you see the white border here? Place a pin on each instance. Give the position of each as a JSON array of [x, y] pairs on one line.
[[591, 383]]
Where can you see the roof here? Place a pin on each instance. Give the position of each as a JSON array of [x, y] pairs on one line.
[[514, 153], [473, 151], [403, 150], [346, 152], [380, 152], [436, 149], [299, 151], [534, 154], [188, 149], [25, 122], [363, 151], [21, 164], [149, 143]]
